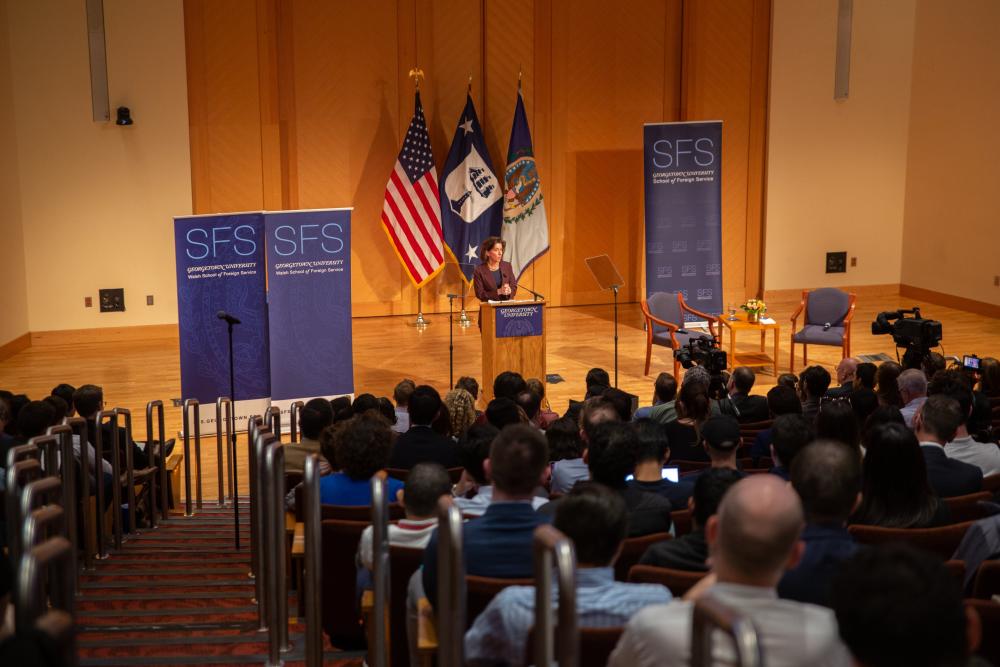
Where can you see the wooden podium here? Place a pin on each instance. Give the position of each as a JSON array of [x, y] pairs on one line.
[[513, 340]]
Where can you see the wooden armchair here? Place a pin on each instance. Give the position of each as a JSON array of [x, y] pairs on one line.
[[664, 315], [823, 307]]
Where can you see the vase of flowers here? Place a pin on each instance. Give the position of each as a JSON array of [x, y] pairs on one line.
[[754, 308]]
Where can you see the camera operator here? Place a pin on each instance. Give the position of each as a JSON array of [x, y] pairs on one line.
[[706, 363], [914, 333]]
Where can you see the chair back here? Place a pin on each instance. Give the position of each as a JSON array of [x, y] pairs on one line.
[[398, 473], [989, 616], [632, 550], [749, 430], [827, 304], [596, 645], [403, 562], [690, 466], [956, 568], [682, 521], [971, 507], [552, 550], [991, 483], [678, 581], [987, 581], [340, 601], [942, 541], [480, 590], [358, 512], [665, 306]]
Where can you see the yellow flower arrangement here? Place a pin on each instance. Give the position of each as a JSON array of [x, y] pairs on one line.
[[754, 307]]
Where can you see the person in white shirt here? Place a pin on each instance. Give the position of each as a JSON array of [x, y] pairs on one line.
[[752, 540], [425, 485], [912, 385]]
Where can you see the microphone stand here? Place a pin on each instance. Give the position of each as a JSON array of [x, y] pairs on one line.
[[536, 295], [451, 339], [232, 436], [614, 288]]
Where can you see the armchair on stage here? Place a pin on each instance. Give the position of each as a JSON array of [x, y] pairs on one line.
[[828, 321], [664, 314]]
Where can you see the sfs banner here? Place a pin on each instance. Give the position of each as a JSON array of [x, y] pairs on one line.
[[220, 267], [683, 207]]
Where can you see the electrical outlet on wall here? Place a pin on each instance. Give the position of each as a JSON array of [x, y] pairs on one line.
[[149, 299], [854, 261], [88, 302]]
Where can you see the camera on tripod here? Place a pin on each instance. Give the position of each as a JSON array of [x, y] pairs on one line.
[[703, 351], [914, 333]]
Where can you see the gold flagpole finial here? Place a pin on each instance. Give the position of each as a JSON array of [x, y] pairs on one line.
[[470, 85], [520, 73], [416, 74]]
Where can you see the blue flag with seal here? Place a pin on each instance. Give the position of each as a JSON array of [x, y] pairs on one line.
[[525, 228], [470, 193]]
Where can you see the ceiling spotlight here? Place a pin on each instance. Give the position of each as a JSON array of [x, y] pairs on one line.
[[124, 116]]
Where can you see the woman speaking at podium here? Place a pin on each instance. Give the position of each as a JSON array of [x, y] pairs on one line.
[[493, 279]]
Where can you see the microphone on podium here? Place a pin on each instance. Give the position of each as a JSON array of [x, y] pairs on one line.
[[229, 319]]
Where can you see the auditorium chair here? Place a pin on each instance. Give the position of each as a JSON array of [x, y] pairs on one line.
[[971, 507], [345, 512], [987, 581], [828, 314], [339, 598], [686, 467], [632, 550], [942, 541], [664, 315], [403, 562], [596, 645], [750, 430], [991, 483], [678, 581], [682, 522], [989, 616], [956, 568], [402, 473]]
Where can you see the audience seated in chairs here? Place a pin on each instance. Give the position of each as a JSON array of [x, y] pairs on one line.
[[838, 421], [895, 491], [474, 491], [720, 436], [827, 477], [531, 404], [912, 385], [753, 539], [401, 395], [781, 400], [962, 447], [360, 446], [690, 551], [421, 443], [564, 440], [503, 411], [546, 416], [887, 381], [425, 484], [595, 519], [664, 391], [567, 472], [989, 377], [499, 543], [652, 454], [610, 457], [508, 384], [751, 408], [936, 424], [789, 435], [896, 605], [596, 381], [89, 400], [865, 376], [693, 410], [846, 373], [864, 402], [315, 416], [812, 387], [461, 412]]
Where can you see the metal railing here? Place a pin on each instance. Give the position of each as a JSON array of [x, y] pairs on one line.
[[78, 426], [116, 486], [258, 535], [219, 402], [19, 474], [161, 464], [293, 420], [273, 420], [314, 559], [550, 544], [130, 474], [255, 423], [380, 565], [710, 614], [67, 471], [51, 557], [188, 405], [451, 585], [272, 482]]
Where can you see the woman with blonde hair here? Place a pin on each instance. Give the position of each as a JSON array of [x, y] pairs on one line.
[[461, 410]]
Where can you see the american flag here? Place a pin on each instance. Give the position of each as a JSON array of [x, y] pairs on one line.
[[411, 212]]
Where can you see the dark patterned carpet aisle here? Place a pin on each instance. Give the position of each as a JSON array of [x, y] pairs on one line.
[[180, 595]]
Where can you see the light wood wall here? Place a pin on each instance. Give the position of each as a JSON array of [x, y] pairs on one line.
[[303, 104]]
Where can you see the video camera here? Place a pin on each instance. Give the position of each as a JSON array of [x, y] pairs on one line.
[[703, 351], [914, 333]]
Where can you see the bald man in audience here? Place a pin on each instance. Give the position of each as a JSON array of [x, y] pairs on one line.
[[752, 540], [846, 371]]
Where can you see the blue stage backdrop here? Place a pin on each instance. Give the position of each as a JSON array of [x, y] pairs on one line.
[[683, 196], [220, 266], [309, 297]]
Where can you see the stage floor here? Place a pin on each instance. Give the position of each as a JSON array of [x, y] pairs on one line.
[[387, 349]]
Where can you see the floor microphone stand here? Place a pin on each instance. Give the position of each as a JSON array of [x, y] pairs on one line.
[[614, 288], [232, 436], [451, 339]]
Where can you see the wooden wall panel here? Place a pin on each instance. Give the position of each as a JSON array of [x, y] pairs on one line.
[[305, 102], [223, 106]]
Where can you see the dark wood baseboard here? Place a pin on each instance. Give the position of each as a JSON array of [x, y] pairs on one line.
[[104, 335], [950, 300], [9, 349]]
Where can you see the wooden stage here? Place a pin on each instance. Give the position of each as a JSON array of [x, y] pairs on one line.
[[387, 349]]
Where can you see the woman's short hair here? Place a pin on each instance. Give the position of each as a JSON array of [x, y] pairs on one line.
[[488, 244]]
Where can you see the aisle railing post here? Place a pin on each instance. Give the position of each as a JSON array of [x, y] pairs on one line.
[[273, 485], [293, 421], [100, 506], [274, 421], [88, 464], [189, 405], [161, 461], [68, 476], [549, 542], [451, 586], [264, 567], [380, 562], [314, 558], [219, 402], [30, 577], [253, 429], [19, 474], [708, 615], [116, 474], [130, 471]]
